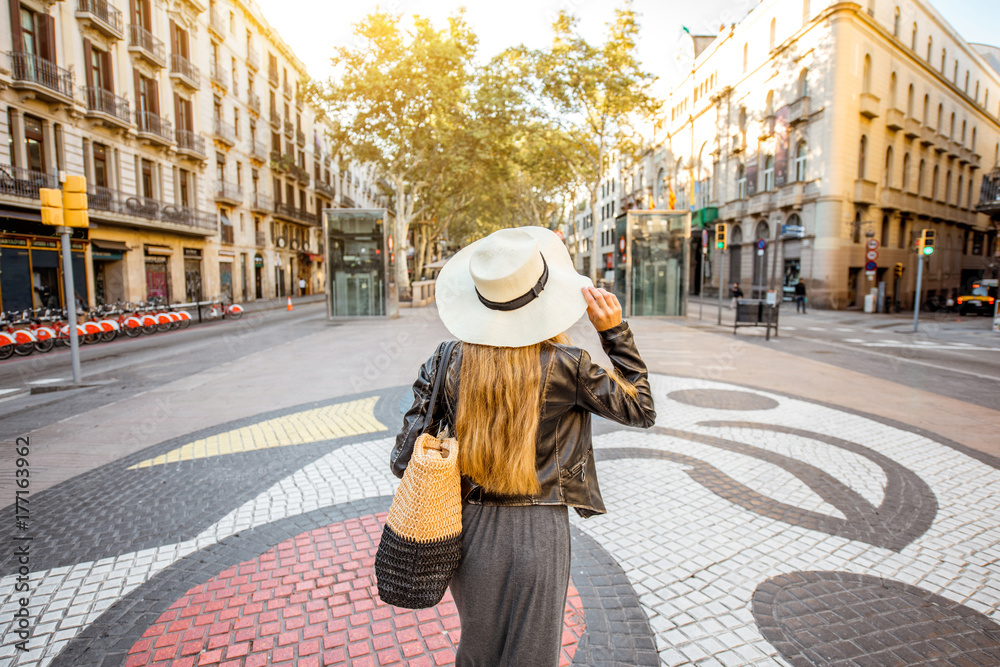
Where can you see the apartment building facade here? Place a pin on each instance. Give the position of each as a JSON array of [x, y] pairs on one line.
[[207, 170], [819, 126]]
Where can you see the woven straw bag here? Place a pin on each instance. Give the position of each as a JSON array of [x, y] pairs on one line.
[[421, 544]]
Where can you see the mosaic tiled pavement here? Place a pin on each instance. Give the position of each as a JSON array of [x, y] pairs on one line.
[[746, 528]]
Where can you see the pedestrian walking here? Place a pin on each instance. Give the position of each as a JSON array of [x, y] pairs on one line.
[[519, 397], [800, 296], [736, 293]]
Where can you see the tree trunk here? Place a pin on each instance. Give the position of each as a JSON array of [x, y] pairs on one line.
[[595, 251], [400, 243], [420, 237]]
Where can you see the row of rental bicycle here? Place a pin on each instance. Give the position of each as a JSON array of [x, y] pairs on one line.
[[30, 331]]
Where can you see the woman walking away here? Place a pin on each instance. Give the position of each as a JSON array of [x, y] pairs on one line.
[[519, 398]]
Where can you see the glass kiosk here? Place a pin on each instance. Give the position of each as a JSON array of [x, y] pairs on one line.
[[361, 263], [652, 252]]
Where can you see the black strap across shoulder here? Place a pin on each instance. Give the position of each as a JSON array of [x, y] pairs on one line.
[[440, 377]]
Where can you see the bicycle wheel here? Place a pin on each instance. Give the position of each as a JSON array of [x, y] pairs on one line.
[[235, 314], [131, 332], [90, 339], [184, 323], [109, 336], [148, 329], [24, 349], [45, 345], [6, 351]]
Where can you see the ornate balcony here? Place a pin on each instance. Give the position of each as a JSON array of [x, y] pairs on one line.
[[258, 150], [253, 59], [224, 132], [281, 163], [869, 105], [190, 144], [286, 88], [790, 196], [217, 73], [142, 42], [275, 119], [228, 193], [299, 174], [864, 191], [989, 194], [24, 183], [289, 129], [184, 72], [798, 111], [894, 119], [153, 128], [108, 204], [762, 202], [272, 77], [253, 102], [103, 16], [290, 212], [260, 203], [49, 81], [106, 107], [217, 24], [300, 138], [325, 188], [261, 239]]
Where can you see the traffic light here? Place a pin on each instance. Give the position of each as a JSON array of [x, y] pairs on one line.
[[898, 269], [926, 244], [52, 206], [75, 201], [720, 236]]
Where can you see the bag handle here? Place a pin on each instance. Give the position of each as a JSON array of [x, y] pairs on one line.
[[440, 377]]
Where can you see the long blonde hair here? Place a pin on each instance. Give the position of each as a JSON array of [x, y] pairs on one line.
[[499, 404]]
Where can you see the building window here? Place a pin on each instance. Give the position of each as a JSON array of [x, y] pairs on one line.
[[34, 144], [926, 117], [973, 144], [769, 173], [774, 25], [741, 182], [804, 83], [892, 91], [940, 120], [920, 176], [800, 161], [958, 190], [866, 75], [100, 175], [906, 171], [947, 187], [909, 101], [944, 58], [862, 156], [895, 24], [871, 7], [930, 48], [934, 182], [885, 231], [913, 38], [887, 173]]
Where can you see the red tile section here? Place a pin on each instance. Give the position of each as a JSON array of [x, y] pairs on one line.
[[311, 601]]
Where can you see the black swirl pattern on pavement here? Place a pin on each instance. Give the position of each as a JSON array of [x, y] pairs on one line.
[[723, 399], [842, 619]]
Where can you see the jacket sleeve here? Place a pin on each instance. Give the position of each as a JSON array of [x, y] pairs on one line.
[[413, 420], [597, 392]]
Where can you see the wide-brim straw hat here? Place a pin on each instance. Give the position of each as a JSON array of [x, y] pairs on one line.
[[516, 287]]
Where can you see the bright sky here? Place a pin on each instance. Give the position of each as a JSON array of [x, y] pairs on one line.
[[312, 28]]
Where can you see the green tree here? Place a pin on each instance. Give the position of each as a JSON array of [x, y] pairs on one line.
[[396, 94], [598, 97]]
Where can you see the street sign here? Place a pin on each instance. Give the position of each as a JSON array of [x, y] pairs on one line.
[[704, 238], [871, 255], [870, 266], [761, 244], [793, 231], [873, 244]]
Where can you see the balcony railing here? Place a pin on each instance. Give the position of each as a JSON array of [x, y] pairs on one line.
[[300, 137], [224, 131], [272, 77], [259, 150], [228, 191], [798, 111], [185, 70], [146, 208], [191, 143], [27, 68], [286, 88], [989, 193], [143, 42], [105, 16], [299, 174], [298, 214], [154, 127], [253, 58], [105, 102], [261, 202], [275, 119], [20, 182], [281, 163], [253, 102], [289, 129], [325, 188], [261, 239], [218, 75], [217, 24]]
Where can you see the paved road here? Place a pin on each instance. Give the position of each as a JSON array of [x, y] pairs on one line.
[[783, 510]]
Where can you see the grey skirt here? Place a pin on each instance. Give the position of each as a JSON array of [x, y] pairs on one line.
[[510, 589]]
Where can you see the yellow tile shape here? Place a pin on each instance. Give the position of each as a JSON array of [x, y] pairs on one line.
[[299, 428]]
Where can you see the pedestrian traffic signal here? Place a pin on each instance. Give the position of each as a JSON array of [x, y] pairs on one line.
[[926, 244], [52, 206], [720, 236], [75, 201], [898, 269]]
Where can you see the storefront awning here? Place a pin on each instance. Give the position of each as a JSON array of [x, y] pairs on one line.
[[703, 217], [111, 246]]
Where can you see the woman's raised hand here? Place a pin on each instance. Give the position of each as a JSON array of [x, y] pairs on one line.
[[603, 308]]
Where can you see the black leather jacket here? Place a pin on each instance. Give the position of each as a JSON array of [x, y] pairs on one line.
[[573, 388]]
